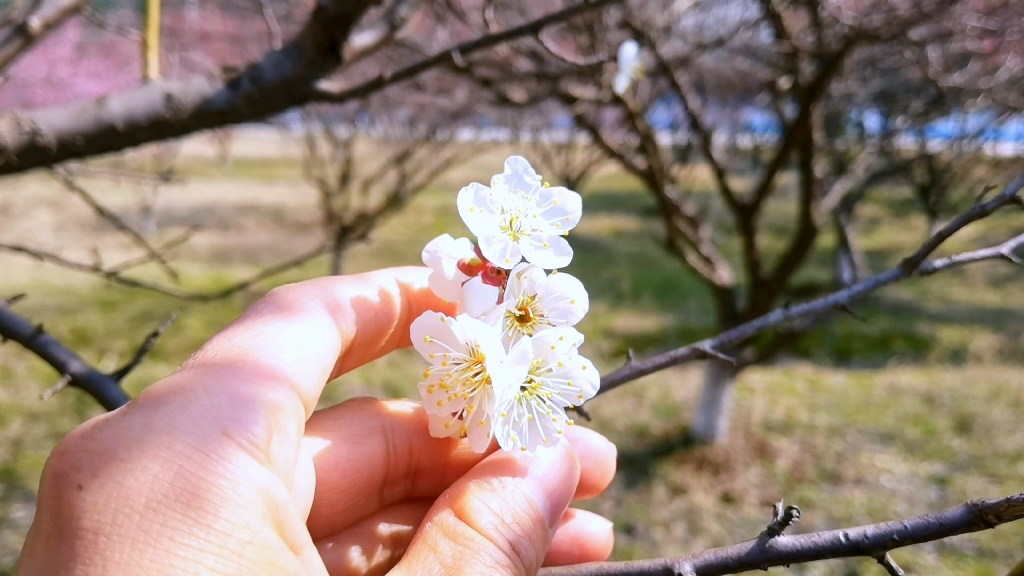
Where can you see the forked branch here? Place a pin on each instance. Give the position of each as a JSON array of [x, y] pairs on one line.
[[915, 264], [870, 541], [74, 371]]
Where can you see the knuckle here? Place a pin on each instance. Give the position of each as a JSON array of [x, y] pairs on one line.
[[504, 524]]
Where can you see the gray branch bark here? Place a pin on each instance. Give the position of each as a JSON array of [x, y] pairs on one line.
[[24, 30], [870, 541], [75, 371], [283, 79]]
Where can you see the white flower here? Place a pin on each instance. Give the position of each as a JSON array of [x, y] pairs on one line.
[[532, 414], [467, 372], [442, 255], [630, 67], [518, 217], [517, 175], [535, 301]]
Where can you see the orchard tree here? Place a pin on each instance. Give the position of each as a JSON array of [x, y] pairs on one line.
[[816, 69]]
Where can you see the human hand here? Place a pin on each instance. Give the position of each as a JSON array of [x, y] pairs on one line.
[[225, 468]]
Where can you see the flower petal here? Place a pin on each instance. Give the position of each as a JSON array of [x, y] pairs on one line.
[[560, 208], [444, 426], [548, 252], [437, 400], [623, 78], [478, 427], [475, 207], [575, 380], [479, 299], [556, 344], [524, 280], [484, 336], [518, 176], [628, 53], [434, 334], [565, 299], [501, 251]]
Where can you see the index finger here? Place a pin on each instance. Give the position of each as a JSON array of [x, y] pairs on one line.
[[308, 333]]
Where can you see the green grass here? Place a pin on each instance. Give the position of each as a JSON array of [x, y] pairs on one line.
[[914, 410]]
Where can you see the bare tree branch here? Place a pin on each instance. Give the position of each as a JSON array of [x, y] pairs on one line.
[[75, 371], [871, 541], [1005, 251], [281, 80], [114, 273], [165, 109], [26, 29], [145, 348], [456, 53], [116, 221], [913, 264]]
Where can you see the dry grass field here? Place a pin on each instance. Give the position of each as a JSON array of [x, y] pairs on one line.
[[916, 409]]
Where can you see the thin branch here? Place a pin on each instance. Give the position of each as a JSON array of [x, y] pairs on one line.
[[114, 273], [890, 565], [1005, 251], [273, 26], [782, 518], [914, 264], [368, 40], [171, 244], [459, 51], [144, 349], [53, 390], [871, 541], [21, 34], [116, 221], [80, 374]]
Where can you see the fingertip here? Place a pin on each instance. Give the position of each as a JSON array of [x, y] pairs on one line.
[[499, 518], [581, 536], [597, 456]]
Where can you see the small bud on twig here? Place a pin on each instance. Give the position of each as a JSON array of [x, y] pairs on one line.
[[782, 518]]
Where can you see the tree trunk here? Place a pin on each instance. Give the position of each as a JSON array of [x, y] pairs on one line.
[[711, 422], [337, 256]]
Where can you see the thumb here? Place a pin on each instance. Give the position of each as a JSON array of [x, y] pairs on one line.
[[497, 519]]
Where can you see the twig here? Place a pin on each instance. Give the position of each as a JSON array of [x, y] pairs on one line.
[[114, 220], [1005, 251], [114, 273], [144, 349], [451, 54], [712, 353], [782, 518], [74, 371], [162, 249], [22, 33], [890, 565], [916, 263], [273, 27], [70, 365], [60, 385], [842, 307], [871, 541]]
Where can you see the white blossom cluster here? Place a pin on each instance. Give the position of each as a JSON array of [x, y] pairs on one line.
[[508, 365]]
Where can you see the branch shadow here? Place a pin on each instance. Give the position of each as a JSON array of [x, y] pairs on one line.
[[636, 466]]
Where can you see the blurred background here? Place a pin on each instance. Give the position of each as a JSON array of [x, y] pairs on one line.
[[734, 156]]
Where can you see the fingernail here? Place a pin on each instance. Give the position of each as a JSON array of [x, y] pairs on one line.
[[552, 476]]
